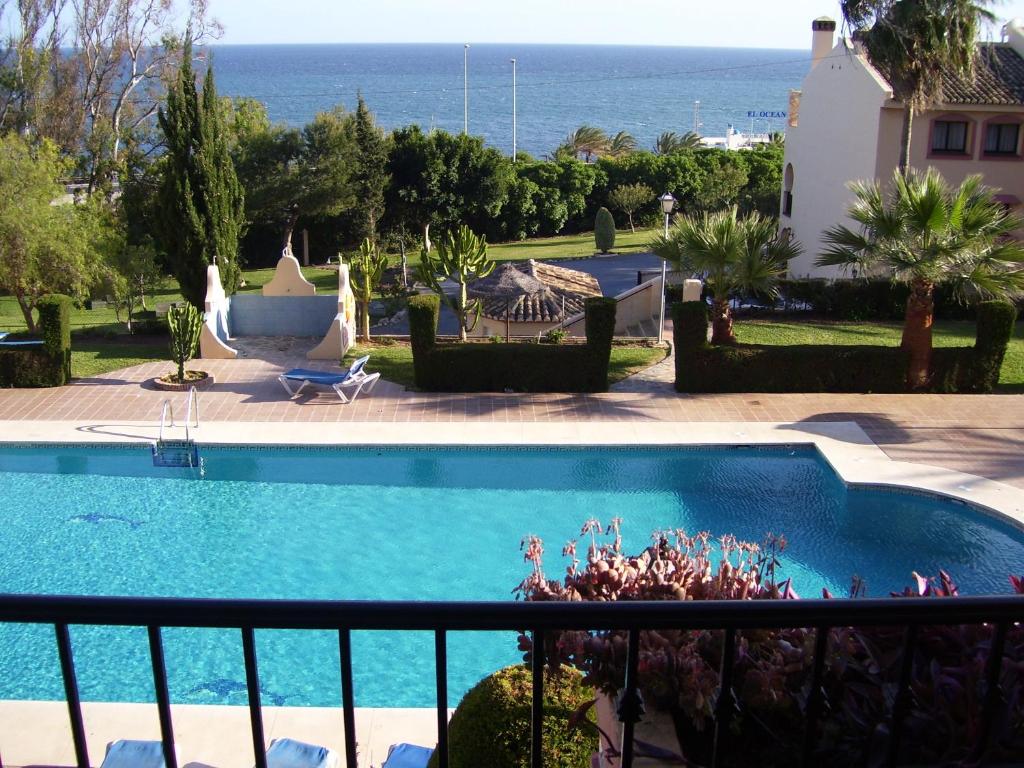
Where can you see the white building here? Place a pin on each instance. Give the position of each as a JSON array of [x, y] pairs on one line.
[[844, 125]]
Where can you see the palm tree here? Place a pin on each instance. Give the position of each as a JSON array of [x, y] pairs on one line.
[[588, 141], [621, 144], [671, 142], [927, 233], [914, 43], [732, 254]]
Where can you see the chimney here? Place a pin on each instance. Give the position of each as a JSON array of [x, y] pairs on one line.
[[1013, 32], [822, 39]]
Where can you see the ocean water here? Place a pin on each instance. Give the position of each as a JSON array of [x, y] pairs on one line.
[[411, 524], [642, 90]]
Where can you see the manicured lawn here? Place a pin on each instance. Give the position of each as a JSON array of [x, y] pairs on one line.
[[569, 246], [947, 333], [92, 357], [394, 361]]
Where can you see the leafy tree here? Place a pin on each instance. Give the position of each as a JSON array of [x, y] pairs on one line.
[[370, 174], [44, 248], [587, 140], [670, 142], [462, 258], [629, 198], [724, 176], [732, 254], [201, 202], [924, 232], [916, 44], [414, 176], [620, 145], [604, 230], [368, 265], [132, 273], [764, 179]]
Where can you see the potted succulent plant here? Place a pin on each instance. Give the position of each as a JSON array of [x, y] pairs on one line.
[[185, 324]]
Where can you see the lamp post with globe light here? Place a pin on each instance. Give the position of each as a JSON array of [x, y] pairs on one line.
[[668, 204]]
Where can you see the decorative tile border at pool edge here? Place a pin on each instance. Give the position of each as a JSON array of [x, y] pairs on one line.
[[844, 446]]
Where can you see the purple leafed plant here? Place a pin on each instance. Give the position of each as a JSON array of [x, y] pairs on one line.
[[678, 670]]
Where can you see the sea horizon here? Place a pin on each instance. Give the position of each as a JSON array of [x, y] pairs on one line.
[[644, 90]]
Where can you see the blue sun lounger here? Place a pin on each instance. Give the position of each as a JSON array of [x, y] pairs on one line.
[[407, 756], [283, 753], [355, 378]]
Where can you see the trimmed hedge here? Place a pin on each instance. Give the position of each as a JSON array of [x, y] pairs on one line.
[[522, 367], [701, 367], [46, 365], [872, 299], [491, 725]]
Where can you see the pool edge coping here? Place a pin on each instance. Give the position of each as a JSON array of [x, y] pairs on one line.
[[844, 445]]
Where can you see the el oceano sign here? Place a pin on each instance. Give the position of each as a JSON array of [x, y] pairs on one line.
[[767, 114]]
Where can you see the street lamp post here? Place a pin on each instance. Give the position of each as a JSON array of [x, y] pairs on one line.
[[513, 110], [668, 203], [465, 90]]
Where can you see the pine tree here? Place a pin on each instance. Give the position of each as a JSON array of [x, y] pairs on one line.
[[371, 177], [201, 202]]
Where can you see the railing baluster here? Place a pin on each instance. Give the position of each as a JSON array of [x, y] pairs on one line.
[[630, 707], [726, 704], [537, 705], [67, 671], [816, 699], [163, 697], [348, 697], [252, 682], [441, 673], [902, 700], [994, 698]]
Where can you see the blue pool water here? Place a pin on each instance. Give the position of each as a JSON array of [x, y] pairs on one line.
[[411, 524]]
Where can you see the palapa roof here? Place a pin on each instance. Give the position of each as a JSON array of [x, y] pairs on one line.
[[564, 294]]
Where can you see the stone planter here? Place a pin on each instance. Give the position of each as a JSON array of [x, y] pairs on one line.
[[654, 728], [205, 382]]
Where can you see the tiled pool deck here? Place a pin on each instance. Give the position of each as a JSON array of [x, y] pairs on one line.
[[977, 434]]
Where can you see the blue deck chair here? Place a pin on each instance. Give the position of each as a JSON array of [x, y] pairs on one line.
[[134, 754], [355, 378], [289, 753], [407, 756]]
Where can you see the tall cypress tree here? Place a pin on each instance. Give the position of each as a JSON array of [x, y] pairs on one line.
[[371, 176], [201, 202]]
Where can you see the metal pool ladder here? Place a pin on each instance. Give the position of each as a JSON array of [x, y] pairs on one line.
[[178, 453]]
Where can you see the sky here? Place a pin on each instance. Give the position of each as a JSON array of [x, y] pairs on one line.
[[735, 23]]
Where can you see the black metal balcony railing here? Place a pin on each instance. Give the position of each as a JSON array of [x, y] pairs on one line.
[[441, 618]]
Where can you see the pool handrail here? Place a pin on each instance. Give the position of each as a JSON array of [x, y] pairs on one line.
[[191, 407], [1000, 612]]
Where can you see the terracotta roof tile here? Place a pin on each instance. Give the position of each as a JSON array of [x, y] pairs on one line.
[[998, 79]]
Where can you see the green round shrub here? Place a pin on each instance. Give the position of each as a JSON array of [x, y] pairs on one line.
[[604, 231], [491, 726]]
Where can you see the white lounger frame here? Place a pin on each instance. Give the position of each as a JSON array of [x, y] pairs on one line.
[[361, 381]]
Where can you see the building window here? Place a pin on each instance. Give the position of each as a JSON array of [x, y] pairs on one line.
[[949, 136], [787, 192], [1002, 138]]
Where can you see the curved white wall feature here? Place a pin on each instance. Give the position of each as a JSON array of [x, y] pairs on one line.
[[288, 279], [341, 336], [214, 335]]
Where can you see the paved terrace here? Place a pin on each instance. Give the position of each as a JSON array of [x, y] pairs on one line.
[[981, 435]]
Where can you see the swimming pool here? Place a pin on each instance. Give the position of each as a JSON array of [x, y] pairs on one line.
[[411, 524]]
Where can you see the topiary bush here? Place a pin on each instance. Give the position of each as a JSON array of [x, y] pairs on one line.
[[55, 328], [519, 367], [45, 362], [491, 726], [604, 230], [701, 367]]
